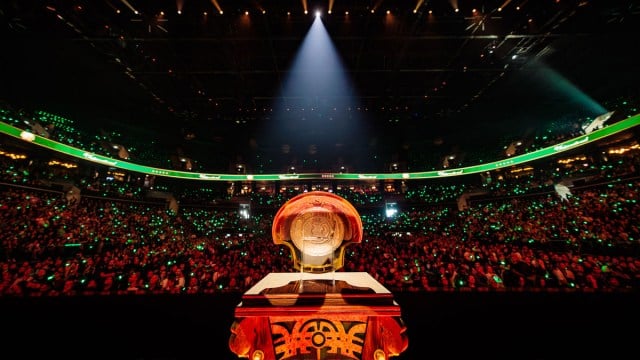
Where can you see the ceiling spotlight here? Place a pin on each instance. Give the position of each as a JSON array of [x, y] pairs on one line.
[[318, 13]]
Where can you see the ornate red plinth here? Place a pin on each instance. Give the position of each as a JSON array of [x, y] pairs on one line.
[[306, 316]]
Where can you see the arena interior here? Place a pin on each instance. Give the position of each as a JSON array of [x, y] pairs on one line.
[[490, 148]]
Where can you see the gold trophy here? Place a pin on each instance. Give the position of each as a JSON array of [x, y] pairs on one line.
[[319, 311]]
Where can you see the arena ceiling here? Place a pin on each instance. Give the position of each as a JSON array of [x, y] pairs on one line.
[[207, 76]]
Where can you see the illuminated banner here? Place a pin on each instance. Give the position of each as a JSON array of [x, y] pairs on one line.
[[520, 159]]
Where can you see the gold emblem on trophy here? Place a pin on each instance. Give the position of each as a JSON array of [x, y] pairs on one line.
[[317, 227]]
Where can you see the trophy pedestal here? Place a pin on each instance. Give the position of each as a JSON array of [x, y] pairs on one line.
[[338, 315]]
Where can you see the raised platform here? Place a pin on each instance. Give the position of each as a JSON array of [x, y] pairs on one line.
[[327, 289], [336, 315]]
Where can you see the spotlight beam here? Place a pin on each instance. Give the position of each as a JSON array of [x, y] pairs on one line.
[[316, 84], [126, 3], [376, 6], [215, 3]]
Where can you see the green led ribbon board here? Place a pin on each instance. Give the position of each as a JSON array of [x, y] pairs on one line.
[[516, 160]]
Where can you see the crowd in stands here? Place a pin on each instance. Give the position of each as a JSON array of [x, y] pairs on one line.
[[55, 246]]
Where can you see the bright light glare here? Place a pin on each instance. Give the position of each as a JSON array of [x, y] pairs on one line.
[[318, 13]]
